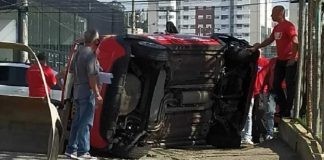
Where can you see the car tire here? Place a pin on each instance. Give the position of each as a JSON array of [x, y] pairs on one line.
[[222, 135], [134, 152]]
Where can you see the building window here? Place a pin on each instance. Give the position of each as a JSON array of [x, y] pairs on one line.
[[200, 17], [238, 35], [200, 7], [245, 34], [186, 8], [162, 17], [224, 17], [239, 7], [224, 8], [192, 17], [239, 16], [216, 17], [171, 16], [246, 16], [224, 26], [246, 25], [185, 26], [209, 8], [208, 16], [200, 26], [192, 26], [208, 26], [169, 8], [186, 17], [239, 26]]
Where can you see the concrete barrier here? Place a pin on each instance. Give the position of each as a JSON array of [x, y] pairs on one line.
[[301, 141]]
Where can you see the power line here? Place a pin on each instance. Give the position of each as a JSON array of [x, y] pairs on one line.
[[85, 6]]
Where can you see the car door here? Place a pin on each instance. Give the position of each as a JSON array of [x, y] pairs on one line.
[[13, 81]]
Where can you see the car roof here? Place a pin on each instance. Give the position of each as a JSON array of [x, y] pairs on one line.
[[23, 65], [12, 64]]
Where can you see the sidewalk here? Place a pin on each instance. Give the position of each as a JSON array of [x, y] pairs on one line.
[[269, 150]]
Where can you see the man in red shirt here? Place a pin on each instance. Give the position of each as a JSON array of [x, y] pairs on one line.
[[34, 78], [251, 127], [285, 35]]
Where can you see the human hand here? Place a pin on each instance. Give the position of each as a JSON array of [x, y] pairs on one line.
[[291, 62], [99, 100], [254, 47]]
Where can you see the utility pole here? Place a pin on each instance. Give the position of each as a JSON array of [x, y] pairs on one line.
[[23, 28], [133, 17]]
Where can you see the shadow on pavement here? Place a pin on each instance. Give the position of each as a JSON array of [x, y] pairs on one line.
[[281, 148]]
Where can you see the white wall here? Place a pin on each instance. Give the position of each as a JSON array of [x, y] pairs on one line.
[[152, 17], [8, 27]]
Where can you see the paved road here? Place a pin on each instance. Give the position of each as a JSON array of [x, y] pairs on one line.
[[269, 150]]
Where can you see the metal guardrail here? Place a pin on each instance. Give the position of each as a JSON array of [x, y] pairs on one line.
[[55, 58], [310, 81]]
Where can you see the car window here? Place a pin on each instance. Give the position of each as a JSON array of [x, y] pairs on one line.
[[13, 76]]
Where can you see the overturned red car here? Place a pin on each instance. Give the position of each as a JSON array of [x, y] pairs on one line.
[[171, 90]]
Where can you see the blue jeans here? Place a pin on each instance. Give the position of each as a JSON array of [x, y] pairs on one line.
[[269, 114], [247, 131], [79, 140]]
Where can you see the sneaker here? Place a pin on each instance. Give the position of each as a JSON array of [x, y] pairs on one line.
[[268, 137], [247, 141], [86, 156], [71, 155]]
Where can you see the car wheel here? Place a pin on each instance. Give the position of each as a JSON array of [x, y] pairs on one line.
[[222, 135], [134, 152]]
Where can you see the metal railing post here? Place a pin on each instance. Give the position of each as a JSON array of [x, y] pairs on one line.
[[316, 67], [301, 61]]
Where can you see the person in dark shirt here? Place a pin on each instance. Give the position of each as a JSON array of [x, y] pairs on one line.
[[86, 92]]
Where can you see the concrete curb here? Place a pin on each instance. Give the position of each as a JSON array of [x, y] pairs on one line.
[[297, 137]]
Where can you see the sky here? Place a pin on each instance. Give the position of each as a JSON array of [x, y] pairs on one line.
[[128, 4]]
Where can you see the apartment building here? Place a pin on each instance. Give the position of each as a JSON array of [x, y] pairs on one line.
[[246, 19], [159, 12]]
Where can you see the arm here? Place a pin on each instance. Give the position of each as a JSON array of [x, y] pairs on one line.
[[51, 79], [295, 44], [265, 43], [292, 32], [59, 76], [93, 80], [93, 71]]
